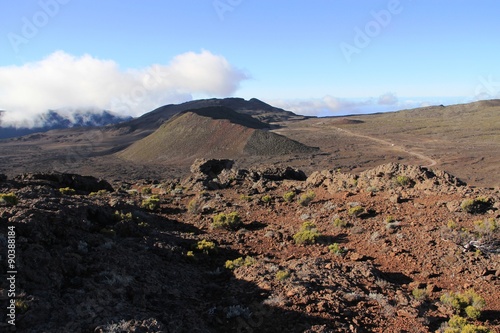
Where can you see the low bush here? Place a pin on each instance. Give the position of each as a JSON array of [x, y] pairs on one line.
[[468, 303], [458, 324], [266, 198], [282, 275], [356, 211], [308, 234], [339, 223], [99, 193], [9, 199], [246, 198], [151, 203], [336, 249], [233, 264], [476, 206], [67, 191], [229, 221], [289, 196], [306, 198], [147, 190], [403, 180], [486, 226], [205, 246], [419, 293]]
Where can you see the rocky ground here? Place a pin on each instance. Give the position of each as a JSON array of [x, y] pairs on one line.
[[379, 251]]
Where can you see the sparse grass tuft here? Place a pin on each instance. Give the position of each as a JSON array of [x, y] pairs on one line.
[[308, 234], [193, 206], [229, 221]]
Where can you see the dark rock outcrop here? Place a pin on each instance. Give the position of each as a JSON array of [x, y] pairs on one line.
[[79, 183]]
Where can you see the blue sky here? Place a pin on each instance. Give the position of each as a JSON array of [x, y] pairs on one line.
[[322, 57]]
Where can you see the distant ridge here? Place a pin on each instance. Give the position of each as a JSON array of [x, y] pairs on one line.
[[212, 132], [52, 120]]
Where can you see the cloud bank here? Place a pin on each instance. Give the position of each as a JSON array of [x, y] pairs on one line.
[[64, 81], [330, 105], [335, 106]]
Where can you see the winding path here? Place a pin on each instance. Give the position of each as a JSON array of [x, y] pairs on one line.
[[431, 161]]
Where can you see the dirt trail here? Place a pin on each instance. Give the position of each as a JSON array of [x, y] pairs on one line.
[[432, 162]]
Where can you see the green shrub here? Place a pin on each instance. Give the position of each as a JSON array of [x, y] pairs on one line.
[[403, 180], [21, 305], [205, 246], [108, 232], [389, 219], [120, 216], [99, 193], [336, 249], [458, 324], [308, 234], [266, 198], [306, 198], [486, 227], [233, 264], [151, 203], [246, 198], [147, 190], [282, 275], [476, 206], [67, 191], [229, 221], [466, 303], [289, 196], [9, 199], [339, 223], [419, 294], [452, 225], [356, 211]]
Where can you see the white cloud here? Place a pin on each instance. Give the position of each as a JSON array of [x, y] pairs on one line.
[[388, 99], [62, 80]]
